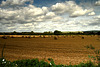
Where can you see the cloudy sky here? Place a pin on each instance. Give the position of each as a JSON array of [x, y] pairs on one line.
[[49, 15]]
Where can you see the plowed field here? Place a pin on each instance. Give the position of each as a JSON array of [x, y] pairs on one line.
[[64, 50]]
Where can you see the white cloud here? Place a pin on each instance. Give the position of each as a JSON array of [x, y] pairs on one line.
[[92, 13], [59, 8], [30, 17], [57, 18], [28, 24], [80, 13], [50, 14], [27, 14], [97, 3], [70, 7], [15, 2]]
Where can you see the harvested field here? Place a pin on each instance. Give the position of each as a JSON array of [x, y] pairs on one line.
[[64, 50]]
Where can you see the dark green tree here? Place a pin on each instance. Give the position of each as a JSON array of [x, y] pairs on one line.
[[14, 33], [99, 34], [56, 32], [31, 32]]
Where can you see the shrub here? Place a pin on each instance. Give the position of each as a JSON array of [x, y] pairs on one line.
[[89, 46], [31, 63], [42, 63], [4, 63]]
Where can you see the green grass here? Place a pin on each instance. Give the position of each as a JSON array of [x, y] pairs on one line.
[[89, 46], [42, 63]]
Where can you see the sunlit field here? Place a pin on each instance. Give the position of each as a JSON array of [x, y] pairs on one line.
[[63, 50]]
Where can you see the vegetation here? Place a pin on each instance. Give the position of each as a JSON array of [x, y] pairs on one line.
[[99, 33], [56, 32], [42, 63], [89, 46], [97, 53]]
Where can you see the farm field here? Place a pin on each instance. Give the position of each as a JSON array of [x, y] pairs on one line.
[[64, 50]]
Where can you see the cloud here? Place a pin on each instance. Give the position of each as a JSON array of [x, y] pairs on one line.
[[97, 3], [15, 2], [91, 22], [97, 17], [92, 13], [28, 17], [49, 15], [27, 14], [70, 7], [59, 8], [80, 13]]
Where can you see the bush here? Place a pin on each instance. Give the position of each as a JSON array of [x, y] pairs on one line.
[[4, 63], [42, 63], [89, 46]]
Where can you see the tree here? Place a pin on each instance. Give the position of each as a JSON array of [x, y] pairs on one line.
[[56, 32], [31, 32], [15, 33], [99, 34]]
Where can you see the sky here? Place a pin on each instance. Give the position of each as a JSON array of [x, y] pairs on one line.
[[49, 15]]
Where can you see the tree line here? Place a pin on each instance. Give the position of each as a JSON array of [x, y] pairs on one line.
[[56, 32]]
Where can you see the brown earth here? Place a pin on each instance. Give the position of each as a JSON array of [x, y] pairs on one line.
[[64, 50]]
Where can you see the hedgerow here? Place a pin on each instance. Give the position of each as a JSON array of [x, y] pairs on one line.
[[42, 63]]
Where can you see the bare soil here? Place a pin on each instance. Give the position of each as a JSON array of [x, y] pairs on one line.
[[64, 50]]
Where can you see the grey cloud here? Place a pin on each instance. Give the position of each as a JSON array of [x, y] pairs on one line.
[[95, 24], [96, 21], [97, 3]]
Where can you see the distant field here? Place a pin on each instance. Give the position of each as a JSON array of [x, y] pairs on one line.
[[64, 50]]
